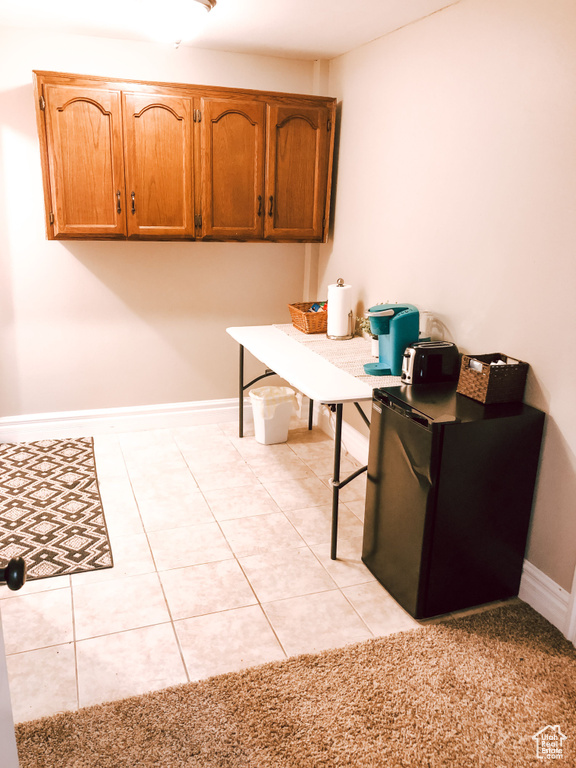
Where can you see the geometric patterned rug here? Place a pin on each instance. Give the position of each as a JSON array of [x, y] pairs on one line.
[[50, 507]]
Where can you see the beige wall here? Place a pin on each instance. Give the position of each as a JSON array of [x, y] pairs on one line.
[[95, 325], [456, 191]]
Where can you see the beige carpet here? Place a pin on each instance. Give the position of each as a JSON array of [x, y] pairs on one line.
[[468, 693]]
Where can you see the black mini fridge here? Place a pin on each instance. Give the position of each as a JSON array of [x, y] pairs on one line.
[[449, 496]]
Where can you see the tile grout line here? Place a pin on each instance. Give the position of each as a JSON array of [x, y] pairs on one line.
[[339, 588], [156, 571], [304, 543], [351, 604], [75, 642], [235, 557], [306, 546], [233, 553]]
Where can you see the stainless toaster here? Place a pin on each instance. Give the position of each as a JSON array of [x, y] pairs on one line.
[[429, 362]]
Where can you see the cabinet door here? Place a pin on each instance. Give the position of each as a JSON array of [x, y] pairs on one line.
[[298, 153], [232, 169], [84, 143], [159, 165]]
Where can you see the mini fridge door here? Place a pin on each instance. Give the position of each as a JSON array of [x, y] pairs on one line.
[[398, 495]]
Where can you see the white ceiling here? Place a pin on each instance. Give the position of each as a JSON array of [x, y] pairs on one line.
[[302, 29]]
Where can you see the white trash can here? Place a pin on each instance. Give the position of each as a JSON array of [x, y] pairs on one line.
[[272, 408]]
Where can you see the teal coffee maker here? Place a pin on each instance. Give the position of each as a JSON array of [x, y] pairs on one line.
[[397, 326]]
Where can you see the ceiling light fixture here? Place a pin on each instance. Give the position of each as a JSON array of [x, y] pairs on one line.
[[182, 20]]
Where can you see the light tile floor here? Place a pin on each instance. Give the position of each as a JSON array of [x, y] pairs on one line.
[[221, 561]]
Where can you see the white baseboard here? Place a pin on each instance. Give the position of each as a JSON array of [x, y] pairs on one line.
[[545, 596], [538, 590], [570, 631], [41, 426]]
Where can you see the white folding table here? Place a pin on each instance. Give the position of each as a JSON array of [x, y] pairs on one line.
[[313, 376]]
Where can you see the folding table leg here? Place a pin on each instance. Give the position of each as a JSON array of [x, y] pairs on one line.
[[241, 394], [337, 484], [336, 479], [243, 387]]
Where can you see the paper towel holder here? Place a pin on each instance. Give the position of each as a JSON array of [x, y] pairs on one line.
[[350, 334]]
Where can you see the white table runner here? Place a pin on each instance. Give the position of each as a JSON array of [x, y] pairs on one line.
[[349, 355]]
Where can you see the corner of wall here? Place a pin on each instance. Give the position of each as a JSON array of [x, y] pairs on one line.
[[320, 80], [310, 286], [320, 77]]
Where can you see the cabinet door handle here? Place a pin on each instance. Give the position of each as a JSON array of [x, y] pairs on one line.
[[118, 205], [259, 205], [133, 195], [271, 205]]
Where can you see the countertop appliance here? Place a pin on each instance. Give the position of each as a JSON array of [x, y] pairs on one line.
[[449, 496], [430, 362], [397, 326]]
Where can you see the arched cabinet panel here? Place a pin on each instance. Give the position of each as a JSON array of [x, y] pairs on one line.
[[298, 144], [159, 165], [232, 169], [86, 168]]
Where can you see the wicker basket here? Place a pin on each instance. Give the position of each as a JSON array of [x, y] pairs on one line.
[[492, 383], [308, 322]]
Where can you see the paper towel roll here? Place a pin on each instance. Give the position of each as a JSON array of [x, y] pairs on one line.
[[339, 323]]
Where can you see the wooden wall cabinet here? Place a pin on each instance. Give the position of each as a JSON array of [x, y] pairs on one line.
[[127, 159]]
